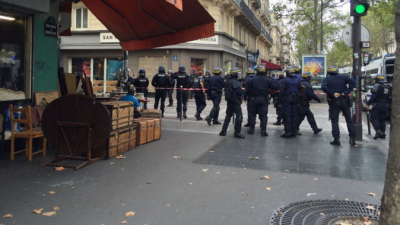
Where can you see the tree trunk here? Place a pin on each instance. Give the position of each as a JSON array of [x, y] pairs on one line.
[[390, 212], [314, 33]]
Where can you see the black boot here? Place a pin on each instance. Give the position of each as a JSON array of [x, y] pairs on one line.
[[383, 136], [378, 134], [238, 127], [184, 115], [162, 113], [170, 105], [178, 115], [336, 142], [216, 122], [296, 133], [222, 133], [208, 119], [239, 135], [317, 130], [286, 135], [247, 125], [264, 133], [198, 116], [277, 123], [353, 141], [251, 131]]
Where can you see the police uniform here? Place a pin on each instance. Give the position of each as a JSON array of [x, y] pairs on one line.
[[234, 98], [163, 81], [207, 79], [199, 96], [379, 99], [297, 72], [192, 76], [257, 93], [304, 104], [182, 80], [277, 105], [332, 85], [249, 77], [141, 83], [288, 97], [217, 84], [170, 91]]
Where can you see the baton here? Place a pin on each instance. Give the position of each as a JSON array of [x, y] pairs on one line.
[[368, 118], [180, 117]]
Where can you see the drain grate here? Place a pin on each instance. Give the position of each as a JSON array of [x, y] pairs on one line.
[[322, 212]]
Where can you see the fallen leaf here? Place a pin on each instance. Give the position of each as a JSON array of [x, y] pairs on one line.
[[252, 207], [49, 213], [370, 207], [124, 222], [218, 172], [333, 196], [112, 163], [268, 188], [168, 205], [365, 218], [322, 214], [121, 157], [148, 182], [205, 170], [346, 199], [287, 171], [129, 214], [379, 213], [51, 192], [346, 224], [255, 158], [310, 194], [56, 208], [211, 151], [371, 194], [245, 168], [8, 216], [60, 168], [190, 183], [176, 157], [38, 211], [280, 213], [315, 178], [287, 157], [266, 177], [368, 223]]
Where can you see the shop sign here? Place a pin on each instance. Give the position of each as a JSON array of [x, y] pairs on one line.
[[235, 45], [50, 27], [209, 41], [175, 57], [108, 38], [251, 58]]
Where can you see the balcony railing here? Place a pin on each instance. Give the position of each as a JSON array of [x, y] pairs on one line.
[[267, 13]]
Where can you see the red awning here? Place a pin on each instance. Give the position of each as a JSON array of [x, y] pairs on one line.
[[271, 66], [145, 24]]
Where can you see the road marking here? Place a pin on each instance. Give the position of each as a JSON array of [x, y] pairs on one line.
[[191, 131]]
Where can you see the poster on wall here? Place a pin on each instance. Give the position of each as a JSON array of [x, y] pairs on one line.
[[45, 97], [114, 69], [86, 68], [198, 65], [316, 64]]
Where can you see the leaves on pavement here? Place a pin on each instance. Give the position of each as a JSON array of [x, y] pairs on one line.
[[254, 158], [370, 207], [52, 213], [56, 208], [121, 157], [176, 157], [129, 214], [268, 188], [371, 194], [266, 177], [38, 211], [51, 192], [8, 216], [59, 168], [124, 222]]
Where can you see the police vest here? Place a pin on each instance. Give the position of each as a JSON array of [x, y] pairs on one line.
[[382, 93], [162, 80], [141, 82], [182, 80], [207, 81], [292, 85]]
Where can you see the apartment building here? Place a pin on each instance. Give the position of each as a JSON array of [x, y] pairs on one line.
[[241, 40]]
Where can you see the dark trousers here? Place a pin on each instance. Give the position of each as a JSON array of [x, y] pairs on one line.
[[191, 94], [258, 104], [336, 106], [290, 112], [171, 100], [145, 92], [160, 94], [304, 111], [378, 116], [216, 99], [233, 108], [279, 113], [182, 100], [200, 101]]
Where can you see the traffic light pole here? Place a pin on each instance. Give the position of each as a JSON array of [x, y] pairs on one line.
[[356, 75]]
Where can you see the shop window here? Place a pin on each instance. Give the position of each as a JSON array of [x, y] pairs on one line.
[[81, 66], [198, 65], [13, 65], [227, 66], [81, 18]]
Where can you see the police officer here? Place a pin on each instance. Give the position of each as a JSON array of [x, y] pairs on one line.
[[170, 91], [288, 98], [161, 82], [304, 104], [297, 72], [199, 96], [335, 86], [277, 105], [216, 85], [192, 76], [379, 99], [249, 77], [141, 83], [182, 79], [234, 98], [257, 92], [207, 79]]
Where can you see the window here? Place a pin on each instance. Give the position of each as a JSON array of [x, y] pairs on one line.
[[81, 18]]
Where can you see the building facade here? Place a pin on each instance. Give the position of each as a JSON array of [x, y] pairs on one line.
[[241, 40]]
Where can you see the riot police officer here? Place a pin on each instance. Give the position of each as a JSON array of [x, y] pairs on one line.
[[182, 80], [217, 83], [257, 93], [304, 104], [234, 98], [249, 77], [170, 91], [161, 82], [379, 99], [335, 86], [141, 83], [277, 105], [297, 72], [288, 97], [199, 96], [207, 79]]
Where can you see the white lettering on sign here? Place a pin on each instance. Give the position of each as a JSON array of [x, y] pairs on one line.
[[210, 40], [235, 45], [108, 38]]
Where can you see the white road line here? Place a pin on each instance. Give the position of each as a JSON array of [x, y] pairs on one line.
[[191, 131]]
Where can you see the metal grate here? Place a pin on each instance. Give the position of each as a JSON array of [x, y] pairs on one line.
[[322, 212]]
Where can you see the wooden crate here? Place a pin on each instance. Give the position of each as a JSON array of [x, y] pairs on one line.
[[141, 131], [157, 129], [132, 137], [151, 113], [121, 113]]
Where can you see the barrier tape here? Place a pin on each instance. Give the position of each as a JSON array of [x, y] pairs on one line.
[[185, 89]]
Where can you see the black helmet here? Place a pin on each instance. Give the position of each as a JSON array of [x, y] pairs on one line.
[[161, 69], [217, 71], [289, 71], [208, 72], [181, 69], [234, 73], [194, 71], [332, 70], [296, 68], [260, 70], [170, 71], [250, 72], [307, 75], [142, 72]]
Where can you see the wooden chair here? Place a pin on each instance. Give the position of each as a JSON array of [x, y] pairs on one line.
[[30, 133]]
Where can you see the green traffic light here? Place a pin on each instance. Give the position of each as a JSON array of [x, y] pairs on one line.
[[360, 9]]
